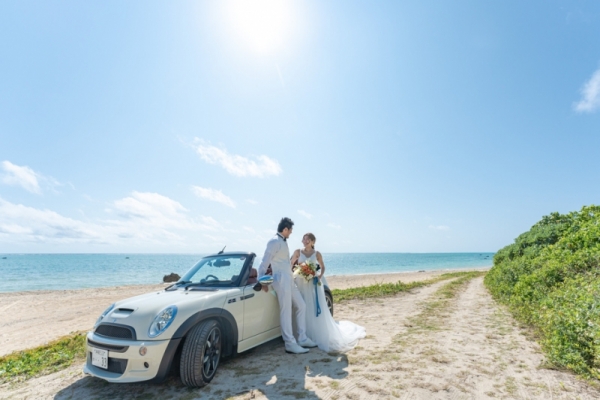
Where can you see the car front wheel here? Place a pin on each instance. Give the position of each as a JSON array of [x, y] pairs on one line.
[[201, 354]]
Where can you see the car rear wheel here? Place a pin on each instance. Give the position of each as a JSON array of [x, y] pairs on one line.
[[329, 299], [201, 354]]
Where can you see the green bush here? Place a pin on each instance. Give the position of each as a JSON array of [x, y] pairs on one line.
[[550, 279], [570, 318]]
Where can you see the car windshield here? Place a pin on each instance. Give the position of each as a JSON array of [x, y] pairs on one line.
[[216, 271]]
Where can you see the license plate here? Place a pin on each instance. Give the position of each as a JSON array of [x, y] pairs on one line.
[[100, 358]]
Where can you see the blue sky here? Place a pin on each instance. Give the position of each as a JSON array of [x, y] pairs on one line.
[[380, 127]]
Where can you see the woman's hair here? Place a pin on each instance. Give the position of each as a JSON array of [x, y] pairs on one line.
[[311, 237]]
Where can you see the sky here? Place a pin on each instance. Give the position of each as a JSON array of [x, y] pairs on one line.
[[389, 126]]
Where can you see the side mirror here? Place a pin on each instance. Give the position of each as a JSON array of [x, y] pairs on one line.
[[266, 280]]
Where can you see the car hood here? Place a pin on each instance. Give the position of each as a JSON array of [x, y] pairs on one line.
[[138, 312]]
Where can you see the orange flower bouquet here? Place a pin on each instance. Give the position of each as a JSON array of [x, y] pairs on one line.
[[307, 270]]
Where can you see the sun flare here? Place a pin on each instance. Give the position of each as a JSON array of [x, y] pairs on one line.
[[263, 24]]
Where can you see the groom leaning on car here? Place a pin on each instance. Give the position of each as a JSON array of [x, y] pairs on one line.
[[277, 254]]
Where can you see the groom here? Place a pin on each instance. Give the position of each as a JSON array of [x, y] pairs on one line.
[[277, 255]]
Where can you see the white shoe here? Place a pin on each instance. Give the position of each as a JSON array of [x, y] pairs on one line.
[[307, 343], [294, 348]]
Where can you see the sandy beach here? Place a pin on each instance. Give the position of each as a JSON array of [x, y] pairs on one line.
[[419, 345], [30, 319]]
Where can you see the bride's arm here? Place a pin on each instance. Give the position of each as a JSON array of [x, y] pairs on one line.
[[321, 263], [294, 258]]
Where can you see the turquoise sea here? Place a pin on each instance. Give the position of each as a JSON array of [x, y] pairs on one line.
[[22, 272]]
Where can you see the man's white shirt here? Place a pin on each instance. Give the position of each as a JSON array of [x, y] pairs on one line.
[[277, 254]]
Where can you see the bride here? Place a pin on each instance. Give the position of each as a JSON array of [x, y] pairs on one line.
[[328, 334]]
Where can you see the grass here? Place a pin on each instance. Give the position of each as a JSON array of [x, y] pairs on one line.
[[52, 357], [392, 289]]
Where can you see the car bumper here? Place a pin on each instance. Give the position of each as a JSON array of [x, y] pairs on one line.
[[125, 364]]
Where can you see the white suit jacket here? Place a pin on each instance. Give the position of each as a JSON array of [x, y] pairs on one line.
[[277, 254]]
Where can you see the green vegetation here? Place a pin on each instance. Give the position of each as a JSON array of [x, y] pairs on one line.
[[46, 359], [550, 280], [391, 289]]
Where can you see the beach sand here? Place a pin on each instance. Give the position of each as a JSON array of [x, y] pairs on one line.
[[30, 319], [420, 345]]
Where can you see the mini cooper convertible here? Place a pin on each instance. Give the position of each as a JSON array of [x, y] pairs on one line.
[[215, 310]]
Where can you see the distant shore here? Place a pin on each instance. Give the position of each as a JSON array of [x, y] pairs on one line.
[[32, 318]]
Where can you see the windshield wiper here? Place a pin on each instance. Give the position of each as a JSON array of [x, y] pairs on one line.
[[207, 283], [177, 284]]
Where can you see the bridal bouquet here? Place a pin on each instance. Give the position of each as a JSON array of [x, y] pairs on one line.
[[307, 270]]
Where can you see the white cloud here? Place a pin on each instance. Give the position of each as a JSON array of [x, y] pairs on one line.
[[439, 227], [334, 226], [253, 202], [238, 165], [305, 214], [22, 223], [213, 195], [20, 176], [154, 209], [26, 177], [139, 221], [590, 95]]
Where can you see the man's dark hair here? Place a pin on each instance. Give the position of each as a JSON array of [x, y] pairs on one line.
[[285, 223]]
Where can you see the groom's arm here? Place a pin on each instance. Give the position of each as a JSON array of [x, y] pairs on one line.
[[270, 251]]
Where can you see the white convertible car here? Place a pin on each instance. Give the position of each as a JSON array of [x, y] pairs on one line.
[[215, 310]]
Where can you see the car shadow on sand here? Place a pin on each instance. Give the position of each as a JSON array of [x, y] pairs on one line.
[[266, 371]]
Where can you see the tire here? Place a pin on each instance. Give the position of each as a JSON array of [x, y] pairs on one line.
[[329, 299], [201, 354]]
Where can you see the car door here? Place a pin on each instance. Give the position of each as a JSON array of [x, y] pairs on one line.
[[261, 311], [235, 305]]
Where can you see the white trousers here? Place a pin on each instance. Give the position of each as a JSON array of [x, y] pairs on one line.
[[289, 296]]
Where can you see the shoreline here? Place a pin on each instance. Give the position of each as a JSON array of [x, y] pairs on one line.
[[329, 278], [32, 318]]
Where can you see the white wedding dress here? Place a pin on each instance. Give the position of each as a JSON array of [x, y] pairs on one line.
[[328, 334]]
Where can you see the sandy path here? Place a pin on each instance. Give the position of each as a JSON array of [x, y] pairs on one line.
[[418, 347]]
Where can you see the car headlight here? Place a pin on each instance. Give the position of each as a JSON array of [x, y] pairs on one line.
[[162, 321], [109, 309]]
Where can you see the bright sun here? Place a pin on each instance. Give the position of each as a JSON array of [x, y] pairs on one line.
[[262, 23]]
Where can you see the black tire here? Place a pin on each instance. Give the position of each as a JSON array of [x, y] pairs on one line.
[[329, 299], [201, 354]]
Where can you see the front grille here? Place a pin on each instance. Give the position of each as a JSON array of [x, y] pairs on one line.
[[116, 331], [111, 347]]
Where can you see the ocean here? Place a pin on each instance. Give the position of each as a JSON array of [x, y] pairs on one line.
[[24, 272]]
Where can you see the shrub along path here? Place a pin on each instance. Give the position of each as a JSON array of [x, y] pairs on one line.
[[449, 340]]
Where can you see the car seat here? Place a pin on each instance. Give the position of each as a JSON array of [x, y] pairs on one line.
[[253, 277]]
